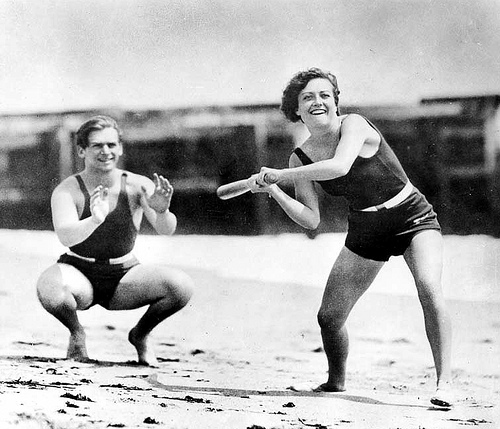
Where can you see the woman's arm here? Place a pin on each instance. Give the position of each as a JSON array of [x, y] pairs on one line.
[[307, 216], [304, 209], [355, 132]]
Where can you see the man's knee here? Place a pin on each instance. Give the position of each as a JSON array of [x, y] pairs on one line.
[[181, 289], [54, 292], [51, 292], [49, 285]]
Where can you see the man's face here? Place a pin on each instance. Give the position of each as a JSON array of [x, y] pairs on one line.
[[103, 151]]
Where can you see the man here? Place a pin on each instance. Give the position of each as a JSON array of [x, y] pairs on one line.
[[97, 214]]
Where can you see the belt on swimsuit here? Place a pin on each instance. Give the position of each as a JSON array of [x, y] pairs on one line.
[[110, 261], [394, 201]]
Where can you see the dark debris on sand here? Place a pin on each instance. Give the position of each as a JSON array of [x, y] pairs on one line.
[[124, 387], [27, 383], [187, 398], [314, 425], [77, 397], [160, 359]]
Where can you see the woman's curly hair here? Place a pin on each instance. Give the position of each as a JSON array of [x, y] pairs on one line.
[[290, 97]]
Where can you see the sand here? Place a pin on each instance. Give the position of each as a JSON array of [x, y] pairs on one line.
[[249, 332]]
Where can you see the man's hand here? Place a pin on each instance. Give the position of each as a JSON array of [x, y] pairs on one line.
[[162, 195], [99, 204]]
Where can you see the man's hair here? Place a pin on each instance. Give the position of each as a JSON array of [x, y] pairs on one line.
[[290, 97], [95, 123]]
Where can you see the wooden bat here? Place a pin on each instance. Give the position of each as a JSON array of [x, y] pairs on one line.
[[235, 189]]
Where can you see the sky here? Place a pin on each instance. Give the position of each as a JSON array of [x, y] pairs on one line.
[[134, 54]]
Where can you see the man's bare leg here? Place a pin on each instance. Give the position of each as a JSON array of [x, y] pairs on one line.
[[156, 313], [62, 290], [167, 292], [145, 352], [77, 347]]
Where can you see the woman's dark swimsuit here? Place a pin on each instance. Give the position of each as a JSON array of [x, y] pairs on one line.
[[378, 235], [114, 238]]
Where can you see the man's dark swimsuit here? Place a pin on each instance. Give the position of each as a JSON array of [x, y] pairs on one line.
[[371, 181], [114, 238]]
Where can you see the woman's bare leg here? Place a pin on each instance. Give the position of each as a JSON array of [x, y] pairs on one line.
[[425, 260], [349, 278]]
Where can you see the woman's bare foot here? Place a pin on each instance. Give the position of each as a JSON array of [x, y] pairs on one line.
[[312, 387], [145, 353], [444, 396], [77, 348]]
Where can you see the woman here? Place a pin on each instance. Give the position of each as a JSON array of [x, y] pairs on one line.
[[388, 216]]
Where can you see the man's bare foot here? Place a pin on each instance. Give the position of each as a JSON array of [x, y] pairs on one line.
[[77, 348], [312, 387], [145, 353]]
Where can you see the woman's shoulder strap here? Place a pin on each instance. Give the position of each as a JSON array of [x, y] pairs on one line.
[[302, 156]]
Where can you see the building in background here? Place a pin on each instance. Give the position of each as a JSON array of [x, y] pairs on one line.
[[449, 147]]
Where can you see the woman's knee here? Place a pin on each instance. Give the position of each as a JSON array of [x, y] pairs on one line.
[[332, 320], [430, 292]]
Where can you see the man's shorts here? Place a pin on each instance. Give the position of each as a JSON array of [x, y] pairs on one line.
[[381, 234], [104, 277]]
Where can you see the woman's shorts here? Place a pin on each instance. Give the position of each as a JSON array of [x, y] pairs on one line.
[[103, 277], [388, 232]]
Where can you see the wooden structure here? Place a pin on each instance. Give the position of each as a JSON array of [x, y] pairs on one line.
[[449, 147]]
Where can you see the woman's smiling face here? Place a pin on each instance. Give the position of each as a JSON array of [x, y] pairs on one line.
[[316, 103]]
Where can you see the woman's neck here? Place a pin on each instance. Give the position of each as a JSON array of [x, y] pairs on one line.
[[325, 135], [326, 131]]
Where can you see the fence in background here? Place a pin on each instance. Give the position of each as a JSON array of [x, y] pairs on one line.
[[449, 148]]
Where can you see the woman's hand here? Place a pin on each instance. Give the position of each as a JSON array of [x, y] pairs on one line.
[[269, 176], [256, 188]]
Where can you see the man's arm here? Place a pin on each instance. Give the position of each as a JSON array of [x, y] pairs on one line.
[[155, 201], [69, 228]]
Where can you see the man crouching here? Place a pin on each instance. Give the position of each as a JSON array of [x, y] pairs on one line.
[[97, 214]]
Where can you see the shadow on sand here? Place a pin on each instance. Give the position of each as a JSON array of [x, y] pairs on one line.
[[245, 393], [152, 379]]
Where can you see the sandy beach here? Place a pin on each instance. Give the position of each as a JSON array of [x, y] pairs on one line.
[[249, 332]]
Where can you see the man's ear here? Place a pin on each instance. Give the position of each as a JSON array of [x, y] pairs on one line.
[[81, 151]]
